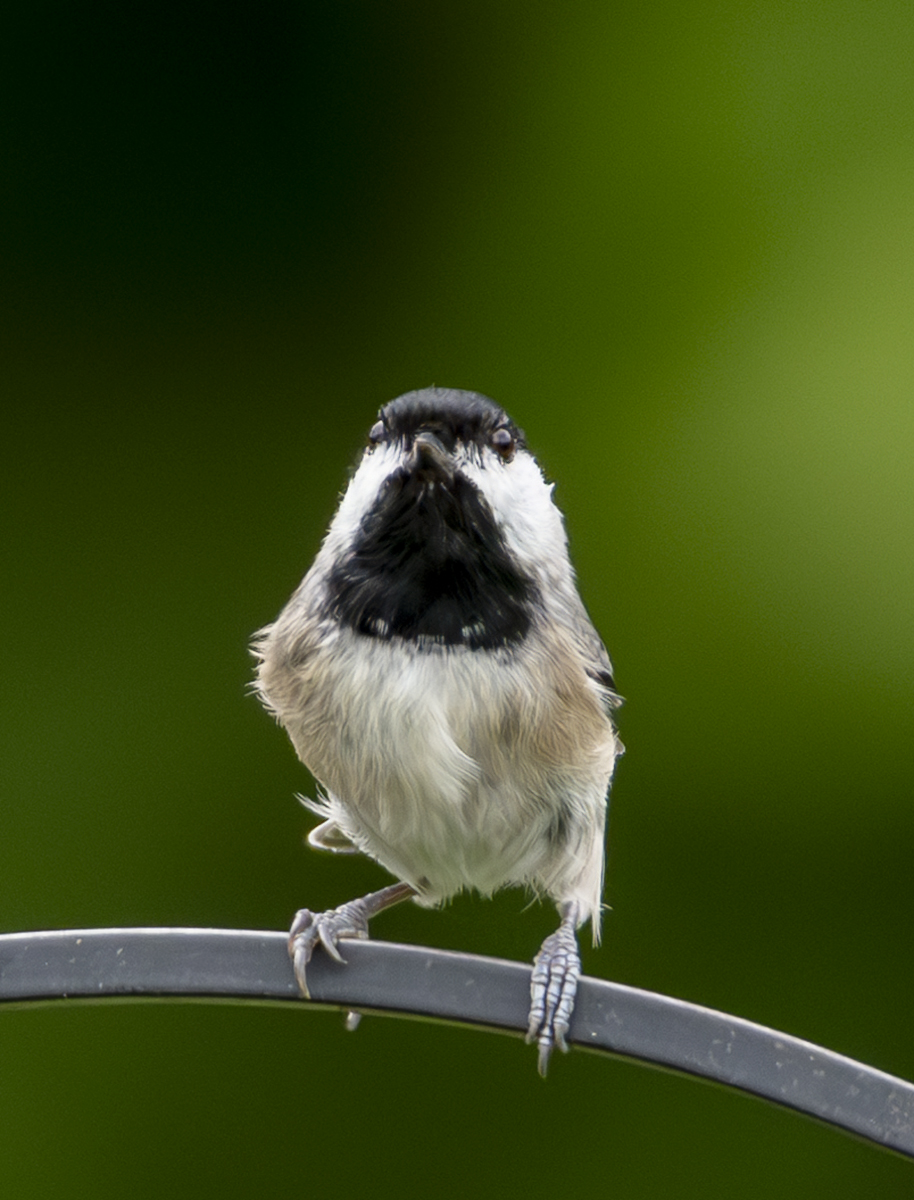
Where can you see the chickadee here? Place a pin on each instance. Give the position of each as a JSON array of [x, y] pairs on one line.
[[439, 676]]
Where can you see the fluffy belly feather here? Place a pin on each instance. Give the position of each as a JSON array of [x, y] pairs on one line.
[[430, 767]]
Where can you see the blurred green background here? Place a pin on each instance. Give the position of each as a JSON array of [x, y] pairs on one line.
[[676, 242]]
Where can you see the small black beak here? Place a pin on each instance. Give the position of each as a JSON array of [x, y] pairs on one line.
[[430, 458]]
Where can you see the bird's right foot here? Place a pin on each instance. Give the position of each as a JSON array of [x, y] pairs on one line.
[[310, 930]]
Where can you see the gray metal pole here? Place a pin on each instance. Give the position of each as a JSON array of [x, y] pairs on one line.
[[93, 965]]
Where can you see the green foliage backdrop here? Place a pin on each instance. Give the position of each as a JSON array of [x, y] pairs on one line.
[[677, 243]]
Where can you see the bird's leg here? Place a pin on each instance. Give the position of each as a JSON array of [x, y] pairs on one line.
[[328, 928], [553, 985]]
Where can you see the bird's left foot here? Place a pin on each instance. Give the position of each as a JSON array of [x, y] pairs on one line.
[[553, 986]]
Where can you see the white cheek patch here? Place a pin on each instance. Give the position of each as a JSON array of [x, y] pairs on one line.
[[359, 498], [521, 502]]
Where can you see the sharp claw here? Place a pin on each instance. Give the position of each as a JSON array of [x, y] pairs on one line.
[[302, 938], [301, 956], [542, 1062], [560, 1029], [328, 941]]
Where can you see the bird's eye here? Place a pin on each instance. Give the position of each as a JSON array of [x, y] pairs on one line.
[[503, 443], [376, 433]]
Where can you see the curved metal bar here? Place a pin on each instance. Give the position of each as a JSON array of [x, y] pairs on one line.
[[251, 966]]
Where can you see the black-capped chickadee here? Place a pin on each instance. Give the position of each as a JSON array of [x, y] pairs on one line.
[[439, 676]]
